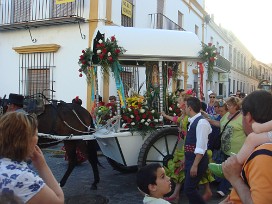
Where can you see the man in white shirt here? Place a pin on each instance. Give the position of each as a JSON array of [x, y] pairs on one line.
[[196, 159]]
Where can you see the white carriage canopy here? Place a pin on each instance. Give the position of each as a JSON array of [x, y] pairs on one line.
[[144, 44]]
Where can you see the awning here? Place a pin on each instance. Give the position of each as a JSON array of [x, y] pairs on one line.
[[145, 44]]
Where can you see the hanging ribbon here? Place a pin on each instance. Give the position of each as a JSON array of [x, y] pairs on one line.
[[93, 85], [117, 69], [201, 72]]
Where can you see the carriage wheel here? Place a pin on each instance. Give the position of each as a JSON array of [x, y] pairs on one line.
[[120, 167], [159, 147]]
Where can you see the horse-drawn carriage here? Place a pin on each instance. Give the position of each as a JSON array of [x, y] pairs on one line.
[[125, 151], [160, 47]]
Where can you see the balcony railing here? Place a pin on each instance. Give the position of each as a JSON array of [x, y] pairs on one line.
[[222, 63], [160, 21], [18, 14]]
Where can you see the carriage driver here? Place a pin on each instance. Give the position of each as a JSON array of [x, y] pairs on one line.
[[16, 103]]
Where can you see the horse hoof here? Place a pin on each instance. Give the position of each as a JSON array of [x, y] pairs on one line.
[[94, 187]]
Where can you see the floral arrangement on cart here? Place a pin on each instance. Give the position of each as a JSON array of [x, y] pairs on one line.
[[172, 107], [139, 117], [136, 115]]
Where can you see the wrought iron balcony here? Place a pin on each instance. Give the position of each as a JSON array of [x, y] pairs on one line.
[[160, 21], [222, 63], [19, 14]]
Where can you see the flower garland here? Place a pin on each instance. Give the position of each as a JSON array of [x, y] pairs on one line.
[[208, 54], [108, 52], [84, 61]]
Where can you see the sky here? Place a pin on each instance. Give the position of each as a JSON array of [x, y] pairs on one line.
[[249, 20]]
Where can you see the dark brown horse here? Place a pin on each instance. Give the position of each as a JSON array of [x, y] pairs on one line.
[[71, 119]]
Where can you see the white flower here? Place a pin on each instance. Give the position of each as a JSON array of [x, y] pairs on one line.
[[129, 109], [142, 120], [170, 109], [100, 41], [131, 116], [98, 51], [144, 103], [110, 115], [110, 107], [214, 51], [148, 120], [109, 54], [156, 120], [174, 114], [215, 58], [132, 123], [142, 110], [153, 111], [161, 118], [146, 123], [99, 111], [206, 53], [124, 125]]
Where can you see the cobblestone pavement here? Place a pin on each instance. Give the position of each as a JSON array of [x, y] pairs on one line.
[[114, 187]]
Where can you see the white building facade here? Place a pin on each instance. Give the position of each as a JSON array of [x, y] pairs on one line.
[[40, 44]]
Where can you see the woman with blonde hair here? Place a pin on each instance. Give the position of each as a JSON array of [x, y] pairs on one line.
[[232, 137], [18, 143]]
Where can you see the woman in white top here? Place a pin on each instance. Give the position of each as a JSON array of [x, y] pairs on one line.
[[18, 143]]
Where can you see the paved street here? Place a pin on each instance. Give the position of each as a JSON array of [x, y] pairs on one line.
[[114, 188]]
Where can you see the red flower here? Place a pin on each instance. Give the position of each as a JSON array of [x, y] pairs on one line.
[[210, 44], [144, 116], [101, 56], [135, 112], [81, 57], [113, 38], [104, 51], [110, 59], [151, 125], [83, 51], [80, 75], [150, 117], [83, 62], [138, 118], [80, 70], [212, 59], [117, 51]]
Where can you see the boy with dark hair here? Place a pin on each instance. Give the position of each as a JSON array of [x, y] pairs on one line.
[[152, 181]]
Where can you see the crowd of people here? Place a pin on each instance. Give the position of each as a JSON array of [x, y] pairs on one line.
[[228, 142], [238, 131]]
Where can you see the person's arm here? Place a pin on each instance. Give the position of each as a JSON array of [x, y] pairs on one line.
[[232, 171], [193, 171], [262, 127], [51, 192], [172, 118], [215, 123], [252, 141], [203, 129]]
